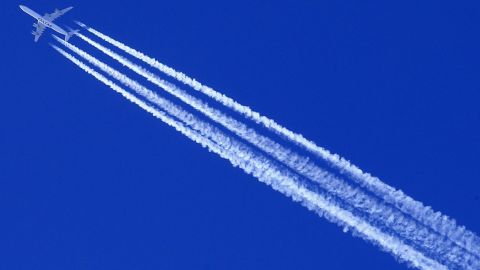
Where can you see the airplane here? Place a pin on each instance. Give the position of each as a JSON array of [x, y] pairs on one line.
[[47, 21]]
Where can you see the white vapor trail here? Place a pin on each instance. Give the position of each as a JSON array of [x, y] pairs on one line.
[[376, 212], [440, 223], [268, 172]]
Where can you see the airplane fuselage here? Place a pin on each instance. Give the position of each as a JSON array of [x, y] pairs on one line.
[[43, 21]]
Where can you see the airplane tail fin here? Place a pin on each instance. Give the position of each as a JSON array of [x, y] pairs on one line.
[[71, 33]]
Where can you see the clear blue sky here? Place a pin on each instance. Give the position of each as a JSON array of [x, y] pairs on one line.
[[90, 181]]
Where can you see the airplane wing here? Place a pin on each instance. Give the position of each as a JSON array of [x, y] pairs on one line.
[[57, 13], [39, 31]]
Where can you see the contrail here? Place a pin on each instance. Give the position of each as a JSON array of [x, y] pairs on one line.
[[442, 224], [279, 179], [376, 211]]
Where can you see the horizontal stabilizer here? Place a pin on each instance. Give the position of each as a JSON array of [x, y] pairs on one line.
[[70, 33]]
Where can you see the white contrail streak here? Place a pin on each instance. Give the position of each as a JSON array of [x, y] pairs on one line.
[[279, 179], [437, 221], [376, 212], [360, 201]]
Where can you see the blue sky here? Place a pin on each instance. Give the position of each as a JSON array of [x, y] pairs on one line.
[[89, 181]]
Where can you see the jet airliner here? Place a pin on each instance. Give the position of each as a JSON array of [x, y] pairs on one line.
[[47, 21]]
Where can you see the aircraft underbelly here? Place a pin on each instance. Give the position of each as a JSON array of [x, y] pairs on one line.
[[58, 29]]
